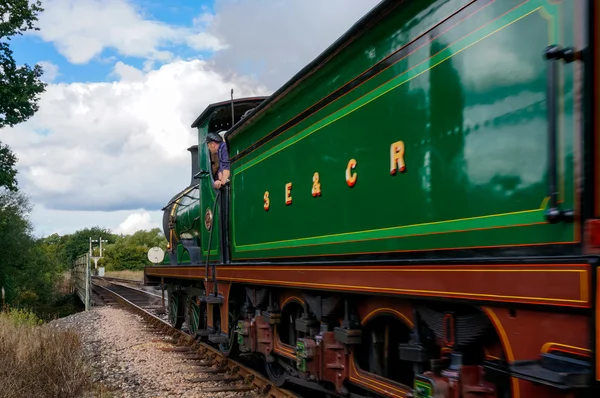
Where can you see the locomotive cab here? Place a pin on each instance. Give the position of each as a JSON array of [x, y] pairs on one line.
[[188, 216]]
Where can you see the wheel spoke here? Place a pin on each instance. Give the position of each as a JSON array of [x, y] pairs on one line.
[[231, 346], [176, 312], [193, 315]]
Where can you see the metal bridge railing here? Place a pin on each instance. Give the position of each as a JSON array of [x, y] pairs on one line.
[[81, 280]]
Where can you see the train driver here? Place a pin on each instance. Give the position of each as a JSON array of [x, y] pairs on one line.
[[216, 145]]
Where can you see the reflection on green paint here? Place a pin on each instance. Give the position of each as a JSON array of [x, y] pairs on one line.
[[470, 108]]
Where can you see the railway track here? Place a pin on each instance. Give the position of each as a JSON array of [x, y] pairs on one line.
[[119, 280], [223, 374]]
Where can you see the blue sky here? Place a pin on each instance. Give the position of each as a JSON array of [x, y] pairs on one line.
[[32, 49]]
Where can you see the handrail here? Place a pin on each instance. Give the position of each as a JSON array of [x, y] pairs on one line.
[[554, 54]]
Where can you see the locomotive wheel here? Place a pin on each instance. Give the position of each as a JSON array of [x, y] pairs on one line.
[[287, 335], [231, 347], [287, 329], [176, 310], [378, 353], [194, 315], [276, 374]]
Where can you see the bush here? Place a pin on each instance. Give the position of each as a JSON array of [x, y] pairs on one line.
[[39, 361], [20, 317]]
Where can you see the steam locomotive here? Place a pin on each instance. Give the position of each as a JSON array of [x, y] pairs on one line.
[[416, 213]]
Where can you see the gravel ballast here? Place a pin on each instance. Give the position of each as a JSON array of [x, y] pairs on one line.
[[127, 359]]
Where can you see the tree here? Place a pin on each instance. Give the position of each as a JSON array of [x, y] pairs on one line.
[[29, 268], [149, 239], [78, 243], [15, 231], [124, 255], [130, 252], [20, 86], [8, 173], [53, 247]]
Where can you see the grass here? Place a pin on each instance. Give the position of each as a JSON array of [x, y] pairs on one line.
[[130, 275], [39, 360]]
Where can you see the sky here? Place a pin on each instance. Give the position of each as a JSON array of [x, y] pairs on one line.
[[126, 79]]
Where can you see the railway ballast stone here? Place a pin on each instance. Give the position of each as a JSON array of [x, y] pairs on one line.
[[127, 360]]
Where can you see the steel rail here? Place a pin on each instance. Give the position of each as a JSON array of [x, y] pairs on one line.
[[215, 361], [124, 283], [121, 280]]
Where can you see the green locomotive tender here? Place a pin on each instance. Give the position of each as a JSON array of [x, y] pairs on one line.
[[407, 210]]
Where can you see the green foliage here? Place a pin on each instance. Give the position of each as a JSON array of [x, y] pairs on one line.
[[21, 15], [8, 172], [121, 256], [28, 273], [78, 243], [129, 252], [20, 86], [20, 317], [53, 248], [148, 239], [17, 244]]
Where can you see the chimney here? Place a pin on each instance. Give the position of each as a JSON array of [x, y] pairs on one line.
[[195, 169]]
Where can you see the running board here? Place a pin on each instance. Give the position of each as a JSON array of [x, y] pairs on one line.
[[561, 372]]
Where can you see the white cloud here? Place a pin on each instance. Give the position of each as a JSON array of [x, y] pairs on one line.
[[81, 30], [138, 221], [50, 71], [121, 145], [275, 39], [127, 72], [201, 41], [49, 181], [48, 221]]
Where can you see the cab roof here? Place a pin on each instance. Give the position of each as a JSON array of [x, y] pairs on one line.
[[210, 109]]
